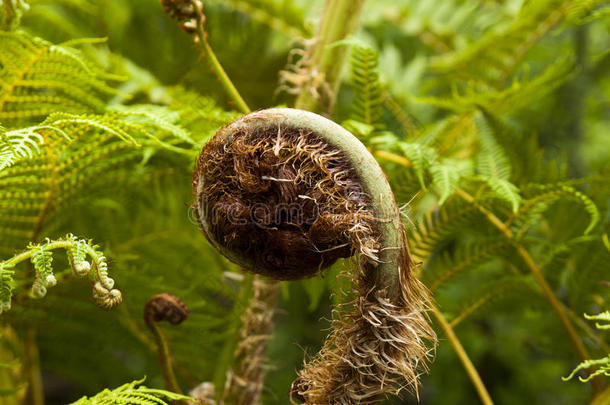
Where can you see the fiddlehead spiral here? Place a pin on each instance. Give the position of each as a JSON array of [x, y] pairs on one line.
[[285, 193], [41, 256], [165, 307]]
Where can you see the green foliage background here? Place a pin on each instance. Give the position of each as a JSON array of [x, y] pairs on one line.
[[505, 101]]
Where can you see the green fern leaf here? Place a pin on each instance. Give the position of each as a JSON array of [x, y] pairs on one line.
[[496, 55], [491, 293], [541, 197], [422, 157], [38, 78], [6, 286], [129, 394], [16, 145], [446, 178], [367, 106]]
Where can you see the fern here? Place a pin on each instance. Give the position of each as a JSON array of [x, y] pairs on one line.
[[603, 364], [130, 394], [19, 144], [367, 106], [38, 78], [496, 55], [465, 258], [492, 293], [493, 165], [540, 197], [41, 257]]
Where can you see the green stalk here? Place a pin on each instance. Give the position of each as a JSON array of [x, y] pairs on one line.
[[341, 18], [471, 370], [215, 65]]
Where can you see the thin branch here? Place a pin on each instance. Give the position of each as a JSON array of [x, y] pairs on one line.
[[472, 372]]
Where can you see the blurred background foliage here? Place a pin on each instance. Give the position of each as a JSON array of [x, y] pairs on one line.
[[442, 89]]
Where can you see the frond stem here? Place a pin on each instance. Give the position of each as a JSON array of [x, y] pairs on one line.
[[165, 359], [472, 372], [214, 64]]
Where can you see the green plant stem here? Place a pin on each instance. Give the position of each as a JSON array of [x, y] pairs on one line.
[[472, 372], [340, 20], [165, 359], [216, 67], [31, 365]]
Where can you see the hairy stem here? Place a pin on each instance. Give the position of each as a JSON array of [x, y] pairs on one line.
[[472, 372], [326, 62], [246, 376]]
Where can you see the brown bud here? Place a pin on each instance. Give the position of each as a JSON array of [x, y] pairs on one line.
[[165, 307]]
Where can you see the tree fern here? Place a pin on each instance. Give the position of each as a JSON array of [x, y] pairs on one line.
[[493, 293]]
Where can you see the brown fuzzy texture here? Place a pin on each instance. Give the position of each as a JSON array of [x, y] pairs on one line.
[[285, 200], [244, 384], [165, 307], [378, 346], [378, 342]]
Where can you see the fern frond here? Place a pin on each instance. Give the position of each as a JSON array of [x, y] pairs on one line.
[[6, 286], [493, 164], [446, 177], [539, 198], [422, 158], [41, 257], [584, 10], [16, 145], [367, 106], [490, 293], [436, 227], [495, 56], [464, 258], [604, 317], [130, 394], [602, 365], [38, 78]]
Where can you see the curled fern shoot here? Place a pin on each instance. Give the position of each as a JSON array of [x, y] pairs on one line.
[[41, 256], [603, 364]]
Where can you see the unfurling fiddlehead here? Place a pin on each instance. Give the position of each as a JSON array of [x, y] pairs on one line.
[[41, 255], [285, 193]]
